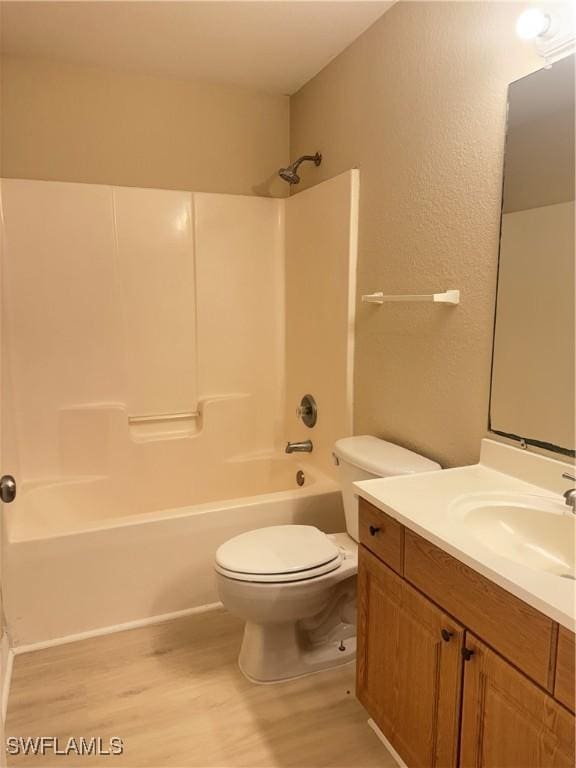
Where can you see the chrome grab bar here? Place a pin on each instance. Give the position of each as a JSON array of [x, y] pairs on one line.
[[152, 417]]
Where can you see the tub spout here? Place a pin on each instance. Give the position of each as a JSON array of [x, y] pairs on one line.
[[305, 446]]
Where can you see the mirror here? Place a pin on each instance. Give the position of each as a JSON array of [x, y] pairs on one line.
[[533, 367]]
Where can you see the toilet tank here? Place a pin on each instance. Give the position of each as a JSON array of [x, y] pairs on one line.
[[366, 457]]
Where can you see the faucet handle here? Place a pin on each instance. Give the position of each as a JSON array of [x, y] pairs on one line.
[[568, 476], [308, 411]]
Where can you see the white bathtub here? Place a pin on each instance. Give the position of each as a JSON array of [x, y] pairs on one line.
[[92, 553]]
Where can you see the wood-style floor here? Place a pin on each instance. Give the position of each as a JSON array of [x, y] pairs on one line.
[[173, 692]]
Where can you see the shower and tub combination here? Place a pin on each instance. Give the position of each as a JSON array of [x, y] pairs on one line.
[[157, 347]]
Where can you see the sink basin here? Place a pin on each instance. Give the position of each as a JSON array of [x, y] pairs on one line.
[[535, 531]]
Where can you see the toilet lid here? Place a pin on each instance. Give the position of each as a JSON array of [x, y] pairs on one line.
[[280, 549]]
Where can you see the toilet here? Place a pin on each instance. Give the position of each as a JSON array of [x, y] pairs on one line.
[[295, 586]]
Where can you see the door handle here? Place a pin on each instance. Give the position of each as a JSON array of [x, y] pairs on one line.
[[7, 489]]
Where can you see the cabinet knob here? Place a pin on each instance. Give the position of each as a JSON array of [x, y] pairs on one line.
[[446, 634], [467, 654], [373, 530]]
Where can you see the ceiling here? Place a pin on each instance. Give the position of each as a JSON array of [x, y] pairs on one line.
[[275, 46]]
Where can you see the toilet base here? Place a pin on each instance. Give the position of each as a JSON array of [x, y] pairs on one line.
[[273, 653]]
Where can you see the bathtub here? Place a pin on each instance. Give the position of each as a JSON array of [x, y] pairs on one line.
[[93, 554]]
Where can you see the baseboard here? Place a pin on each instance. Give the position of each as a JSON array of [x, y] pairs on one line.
[[17, 650], [387, 744]]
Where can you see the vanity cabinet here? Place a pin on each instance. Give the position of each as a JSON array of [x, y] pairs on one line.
[[452, 668], [519, 632], [507, 721], [565, 672], [409, 670]]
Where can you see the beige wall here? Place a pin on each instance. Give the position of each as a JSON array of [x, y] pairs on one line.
[[418, 103], [73, 123]]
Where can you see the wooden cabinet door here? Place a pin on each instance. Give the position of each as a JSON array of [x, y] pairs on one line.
[[507, 720], [565, 684], [408, 673]]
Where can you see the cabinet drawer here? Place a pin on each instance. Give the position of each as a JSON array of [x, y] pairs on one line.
[[382, 535], [514, 629], [565, 676]]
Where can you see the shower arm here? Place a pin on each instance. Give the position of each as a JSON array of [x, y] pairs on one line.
[[303, 159]]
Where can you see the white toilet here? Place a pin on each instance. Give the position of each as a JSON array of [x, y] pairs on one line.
[[295, 586]]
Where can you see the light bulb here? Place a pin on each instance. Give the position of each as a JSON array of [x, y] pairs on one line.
[[532, 23]]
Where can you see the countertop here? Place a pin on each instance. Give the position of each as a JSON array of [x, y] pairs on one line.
[[424, 503]]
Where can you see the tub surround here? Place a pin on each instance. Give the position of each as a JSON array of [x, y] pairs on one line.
[[226, 269], [320, 299], [427, 505], [130, 303], [145, 447]]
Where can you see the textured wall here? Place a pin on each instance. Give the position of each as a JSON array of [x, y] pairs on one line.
[[418, 103], [72, 123]]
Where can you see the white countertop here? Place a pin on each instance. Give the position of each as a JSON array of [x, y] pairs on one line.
[[423, 502]]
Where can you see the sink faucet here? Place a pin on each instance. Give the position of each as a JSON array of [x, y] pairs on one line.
[[304, 446], [570, 495]]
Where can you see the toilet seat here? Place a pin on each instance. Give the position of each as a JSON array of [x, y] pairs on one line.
[[281, 553]]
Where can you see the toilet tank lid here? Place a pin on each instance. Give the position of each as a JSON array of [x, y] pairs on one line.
[[380, 457]]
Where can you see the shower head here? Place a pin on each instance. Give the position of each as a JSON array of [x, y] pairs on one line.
[[290, 174]]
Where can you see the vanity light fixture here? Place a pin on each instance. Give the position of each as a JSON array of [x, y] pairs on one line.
[[553, 30], [533, 23]]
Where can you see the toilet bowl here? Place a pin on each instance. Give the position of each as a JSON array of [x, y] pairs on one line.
[[300, 619], [295, 586]]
